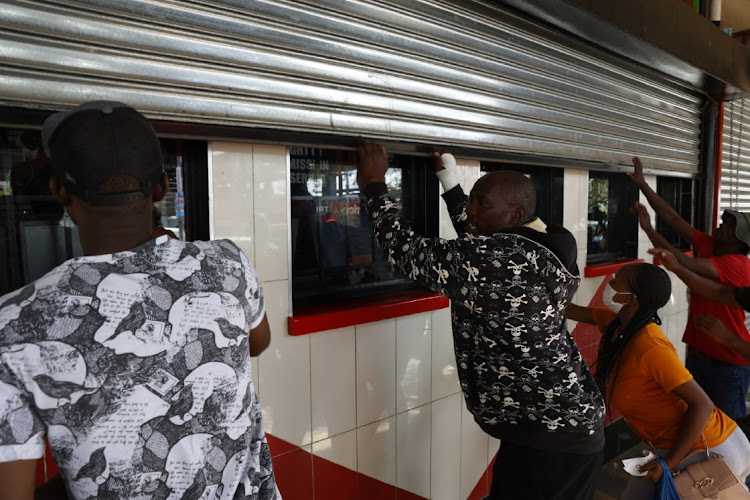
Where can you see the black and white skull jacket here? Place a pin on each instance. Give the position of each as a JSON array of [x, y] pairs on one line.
[[521, 373]]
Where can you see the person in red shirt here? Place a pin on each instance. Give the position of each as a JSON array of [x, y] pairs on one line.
[[719, 370], [711, 326]]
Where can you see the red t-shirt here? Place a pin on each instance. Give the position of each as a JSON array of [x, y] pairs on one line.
[[734, 271]]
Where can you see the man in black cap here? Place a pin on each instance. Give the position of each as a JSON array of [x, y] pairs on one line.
[[722, 373], [133, 360]]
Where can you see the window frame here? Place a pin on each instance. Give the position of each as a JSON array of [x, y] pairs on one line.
[[682, 200], [627, 241], [424, 220]]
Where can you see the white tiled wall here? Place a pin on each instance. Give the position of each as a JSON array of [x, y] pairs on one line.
[[249, 201], [340, 449], [232, 197], [444, 372], [332, 381], [270, 212], [575, 219], [284, 373], [380, 398], [413, 433], [575, 214], [413, 361], [376, 450], [445, 480], [474, 446], [376, 371]]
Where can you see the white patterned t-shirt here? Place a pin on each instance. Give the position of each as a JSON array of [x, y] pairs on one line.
[[136, 367]]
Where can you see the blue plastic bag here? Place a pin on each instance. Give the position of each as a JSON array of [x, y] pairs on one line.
[[665, 489]]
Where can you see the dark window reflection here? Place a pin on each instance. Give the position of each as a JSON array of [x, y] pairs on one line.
[[612, 223], [36, 234], [171, 209], [679, 194], [334, 254], [598, 221]]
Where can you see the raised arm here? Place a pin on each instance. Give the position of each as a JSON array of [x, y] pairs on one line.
[[663, 210], [711, 290], [455, 199], [580, 314], [703, 267], [431, 262], [373, 164]]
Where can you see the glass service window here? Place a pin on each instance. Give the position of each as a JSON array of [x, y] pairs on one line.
[[612, 233], [183, 210], [334, 254], [36, 234], [548, 183], [679, 194]]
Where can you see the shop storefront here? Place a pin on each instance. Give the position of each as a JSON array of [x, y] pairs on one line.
[[260, 106]]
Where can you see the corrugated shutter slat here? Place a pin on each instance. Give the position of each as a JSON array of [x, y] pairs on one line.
[[472, 74], [735, 157]]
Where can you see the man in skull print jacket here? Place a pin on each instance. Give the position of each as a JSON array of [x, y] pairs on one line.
[[521, 373]]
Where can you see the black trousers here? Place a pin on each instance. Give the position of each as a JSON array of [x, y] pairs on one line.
[[530, 474]]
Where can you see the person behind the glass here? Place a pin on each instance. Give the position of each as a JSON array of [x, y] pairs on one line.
[[509, 277], [720, 371]]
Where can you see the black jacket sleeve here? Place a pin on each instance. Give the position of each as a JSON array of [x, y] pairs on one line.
[[444, 266]]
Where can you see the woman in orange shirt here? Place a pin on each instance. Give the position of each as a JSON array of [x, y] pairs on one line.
[[638, 372]]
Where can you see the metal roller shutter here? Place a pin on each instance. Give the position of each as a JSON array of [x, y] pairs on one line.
[[735, 157], [466, 73]]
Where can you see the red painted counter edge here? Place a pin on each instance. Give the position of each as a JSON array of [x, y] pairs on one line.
[[317, 319]]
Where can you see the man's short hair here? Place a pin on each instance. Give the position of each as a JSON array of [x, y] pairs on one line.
[[98, 140]]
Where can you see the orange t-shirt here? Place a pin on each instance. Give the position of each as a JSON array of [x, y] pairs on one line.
[[649, 370]]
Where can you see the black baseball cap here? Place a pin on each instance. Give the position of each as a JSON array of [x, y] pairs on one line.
[[97, 140], [742, 229]]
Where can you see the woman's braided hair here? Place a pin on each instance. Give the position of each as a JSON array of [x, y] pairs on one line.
[[652, 287]]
